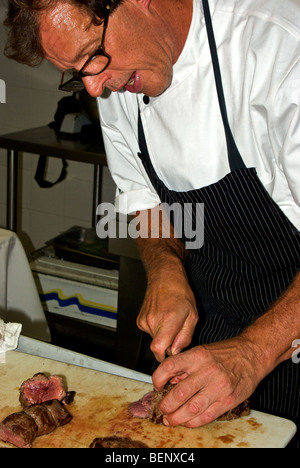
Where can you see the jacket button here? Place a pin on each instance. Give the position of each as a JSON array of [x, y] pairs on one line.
[[146, 99]]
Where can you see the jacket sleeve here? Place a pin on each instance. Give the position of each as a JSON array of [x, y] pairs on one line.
[[287, 129]]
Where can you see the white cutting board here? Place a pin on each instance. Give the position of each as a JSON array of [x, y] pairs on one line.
[[100, 410]]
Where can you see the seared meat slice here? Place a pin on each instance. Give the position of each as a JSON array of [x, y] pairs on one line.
[[116, 442], [142, 408], [18, 429], [42, 417], [157, 415], [148, 407], [43, 399], [242, 410], [41, 388], [59, 412], [69, 398]]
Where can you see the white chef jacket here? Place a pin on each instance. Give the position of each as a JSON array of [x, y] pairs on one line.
[[258, 45]]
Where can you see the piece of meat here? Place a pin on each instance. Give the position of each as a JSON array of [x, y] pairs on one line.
[[58, 411], [142, 408], [148, 407], [42, 417], [69, 398], [41, 388], [18, 429], [241, 410], [157, 415], [117, 442]]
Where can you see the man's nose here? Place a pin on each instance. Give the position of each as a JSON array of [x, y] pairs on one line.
[[94, 84]]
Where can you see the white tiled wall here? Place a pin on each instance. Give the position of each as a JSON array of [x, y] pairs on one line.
[[31, 101]]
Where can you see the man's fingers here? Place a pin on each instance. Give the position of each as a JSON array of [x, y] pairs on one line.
[[170, 368], [186, 405], [211, 413], [168, 341], [185, 335], [161, 345]]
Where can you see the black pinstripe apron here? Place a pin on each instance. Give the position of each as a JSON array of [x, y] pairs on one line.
[[251, 254]]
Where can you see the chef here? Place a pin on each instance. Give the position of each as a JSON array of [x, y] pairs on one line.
[[202, 108]]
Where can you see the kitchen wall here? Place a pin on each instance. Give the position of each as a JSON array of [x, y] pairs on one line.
[[31, 101]]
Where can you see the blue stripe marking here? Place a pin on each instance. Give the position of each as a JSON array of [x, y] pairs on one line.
[[74, 301]]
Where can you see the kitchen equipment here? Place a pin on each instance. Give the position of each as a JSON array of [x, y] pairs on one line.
[[73, 123], [74, 290], [79, 244], [100, 410]]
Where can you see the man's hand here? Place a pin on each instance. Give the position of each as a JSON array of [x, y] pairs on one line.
[[211, 380], [169, 313]]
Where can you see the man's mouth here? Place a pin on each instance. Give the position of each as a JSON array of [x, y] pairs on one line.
[[134, 84], [131, 81]]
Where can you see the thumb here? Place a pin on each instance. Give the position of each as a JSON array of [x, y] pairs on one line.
[[181, 341]]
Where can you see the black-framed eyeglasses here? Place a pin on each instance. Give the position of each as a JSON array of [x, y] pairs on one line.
[[75, 83]]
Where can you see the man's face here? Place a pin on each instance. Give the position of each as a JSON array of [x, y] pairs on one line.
[[142, 55]]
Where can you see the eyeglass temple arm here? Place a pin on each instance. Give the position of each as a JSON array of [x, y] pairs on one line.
[[108, 6]]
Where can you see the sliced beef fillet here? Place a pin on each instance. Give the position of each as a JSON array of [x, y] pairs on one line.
[[148, 407], [117, 442], [142, 408], [42, 418], [41, 388], [243, 409], [59, 412], [18, 429], [69, 398], [157, 415]]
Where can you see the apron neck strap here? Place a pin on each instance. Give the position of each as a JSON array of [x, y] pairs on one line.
[[235, 160]]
